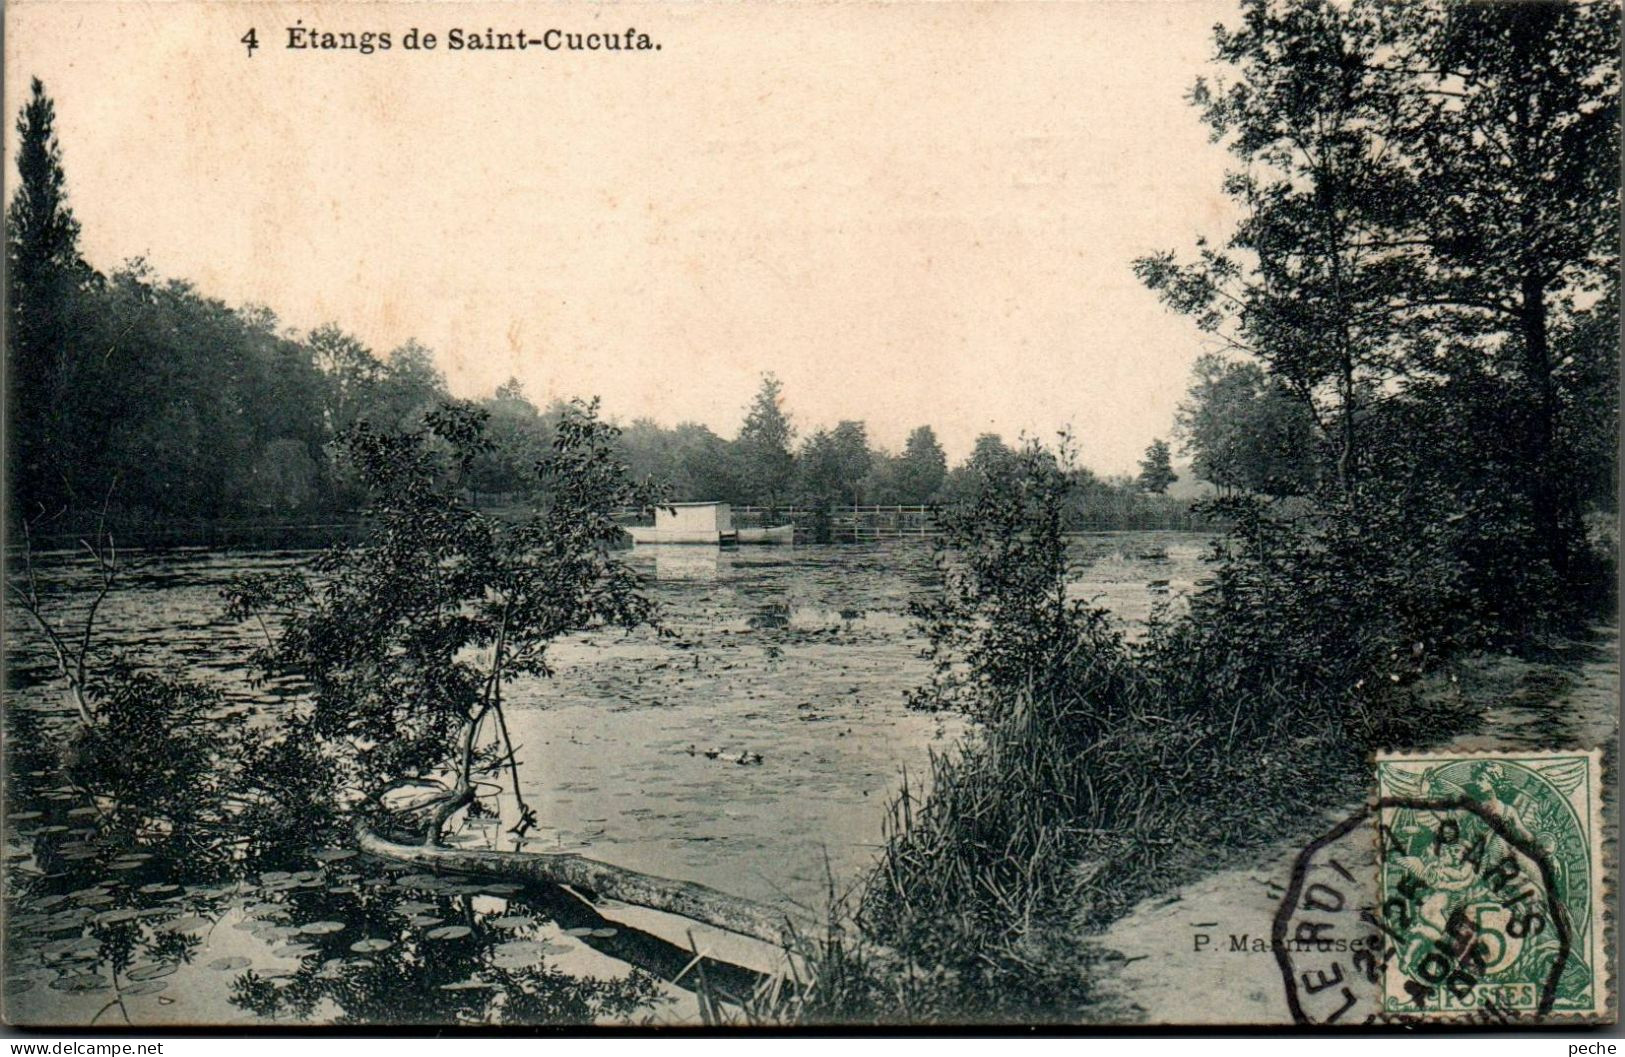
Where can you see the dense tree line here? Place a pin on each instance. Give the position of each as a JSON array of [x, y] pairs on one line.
[[134, 397]]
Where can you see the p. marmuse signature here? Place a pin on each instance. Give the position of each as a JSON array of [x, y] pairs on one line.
[[301, 37]]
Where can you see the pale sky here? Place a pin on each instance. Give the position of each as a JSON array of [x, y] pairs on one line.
[[911, 212]]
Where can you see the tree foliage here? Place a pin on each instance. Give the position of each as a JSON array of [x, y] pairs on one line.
[[407, 639], [1004, 624], [1245, 431], [44, 271], [1429, 198], [1157, 468], [923, 468], [832, 465], [766, 465]]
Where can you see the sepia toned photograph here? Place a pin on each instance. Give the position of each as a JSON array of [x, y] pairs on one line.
[[877, 516]]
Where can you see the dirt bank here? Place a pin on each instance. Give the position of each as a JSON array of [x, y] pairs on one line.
[[1157, 971]]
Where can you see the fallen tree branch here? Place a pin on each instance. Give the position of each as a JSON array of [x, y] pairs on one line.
[[685, 898]]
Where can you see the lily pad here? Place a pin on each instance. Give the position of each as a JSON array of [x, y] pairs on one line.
[[509, 921], [190, 923], [419, 880], [424, 920], [603, 934], [79, 982], [520, 953], [368, 946], [332, 854], [321, 928], [268, 931], [114, 917], [151, 971], [409, 796], [146, 987], [448, 932], [67, 919], [211, 892], [158, 888], [58, 948], [501, 888], [229, 964]]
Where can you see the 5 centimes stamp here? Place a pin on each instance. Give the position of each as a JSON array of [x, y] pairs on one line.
[[1489, 885]]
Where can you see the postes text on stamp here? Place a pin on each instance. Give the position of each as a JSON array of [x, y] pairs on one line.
[[1489, 885]]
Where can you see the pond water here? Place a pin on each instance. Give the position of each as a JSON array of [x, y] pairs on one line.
[[798, 658]]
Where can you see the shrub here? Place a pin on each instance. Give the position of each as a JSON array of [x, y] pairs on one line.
[[405, 641]]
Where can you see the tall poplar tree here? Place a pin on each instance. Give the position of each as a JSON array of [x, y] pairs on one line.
[[43, 271]]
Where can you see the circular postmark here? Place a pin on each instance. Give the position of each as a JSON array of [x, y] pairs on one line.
[[1423, 908]]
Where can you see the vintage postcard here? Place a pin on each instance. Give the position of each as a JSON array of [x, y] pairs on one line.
[[1093, 513]]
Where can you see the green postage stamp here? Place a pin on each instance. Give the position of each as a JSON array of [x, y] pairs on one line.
[[1490, 885]]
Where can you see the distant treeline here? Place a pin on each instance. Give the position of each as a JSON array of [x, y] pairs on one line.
[[143, 400]]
